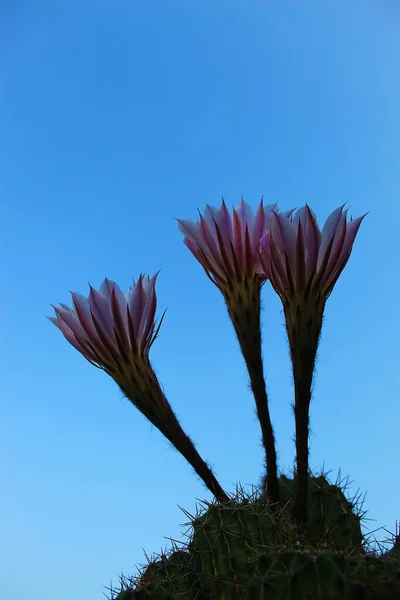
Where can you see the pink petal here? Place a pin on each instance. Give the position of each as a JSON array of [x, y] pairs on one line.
[[277, 278], [142, 307], [202, 236], [209, 264], [147, 321], [301, 242], [281, 274], [211, 214], [69, 318], [337, 245], [148, 284], [283, 235], [262, 216], [54, 320], [259, 223], [244, 213], [191, 230], [328, 233], [238, 231], [91, 335], [263, 256], [223, 221], [228, 261], [133, 331], [288, 213], [66, 307], [70, 336], [137, 301], [122, 303], [351, 232], [312, 237], [257, 230], [101, 309], [82, 311], [106, 288], [193, 247], [249, 256], [270, 208], [210, 240], [119, 308]]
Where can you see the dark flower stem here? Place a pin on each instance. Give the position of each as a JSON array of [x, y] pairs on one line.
[[244, 310], [304, 328], [255, 369], [148, 397], [186, 447]]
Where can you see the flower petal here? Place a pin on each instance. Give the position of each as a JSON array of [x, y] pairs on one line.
[[245, 213], [283, 235], [120, 319], [351, 232], [191, 230], [70, 318], [147, 322], [328, 233], [100, 306], [70, 335], [223, 221]]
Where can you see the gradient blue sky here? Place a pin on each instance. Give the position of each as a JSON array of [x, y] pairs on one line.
[[116, 117]]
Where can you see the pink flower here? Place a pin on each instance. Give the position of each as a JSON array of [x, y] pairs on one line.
[[302, 261], [228, 246], [114, 332], [111, 329]]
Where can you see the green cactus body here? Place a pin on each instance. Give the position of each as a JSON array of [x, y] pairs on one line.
[[291, 575], [252, 550], [333, 521], [227, 539], [169, 575]]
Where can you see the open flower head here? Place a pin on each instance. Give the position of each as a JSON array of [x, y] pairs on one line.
[[301, 260], [228, 246], [114, 331]]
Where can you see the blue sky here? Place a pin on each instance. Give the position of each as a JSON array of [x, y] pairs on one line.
[[117, 117]]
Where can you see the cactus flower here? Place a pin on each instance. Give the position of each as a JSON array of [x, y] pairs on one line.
[[303, 264], [228, 248], [114, 332], [300, 260]]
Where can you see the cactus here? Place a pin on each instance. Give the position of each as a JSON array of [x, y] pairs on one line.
[[227, 538], [170, 574], [249, 548], [286, 574], [334, 521]]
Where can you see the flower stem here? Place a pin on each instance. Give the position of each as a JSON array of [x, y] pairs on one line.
[[301, 411], [244, 309], [303, 324], [147, 396], [185, 446], [254, 367]]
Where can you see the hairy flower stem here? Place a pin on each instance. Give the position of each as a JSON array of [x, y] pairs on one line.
[[147, 396], [303, 325], [244, 309], [185, 446], [254, 367]]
